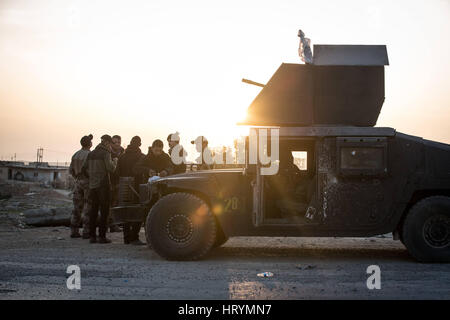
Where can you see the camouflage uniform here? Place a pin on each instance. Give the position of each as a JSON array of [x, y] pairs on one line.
[[80, 212], [81, 203]]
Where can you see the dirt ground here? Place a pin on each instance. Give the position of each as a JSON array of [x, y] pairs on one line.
[[33, 264]]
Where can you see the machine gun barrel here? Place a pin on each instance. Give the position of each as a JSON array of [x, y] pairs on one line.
[[253, 83]]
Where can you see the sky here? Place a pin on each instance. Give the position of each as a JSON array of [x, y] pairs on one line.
[[150, 68]]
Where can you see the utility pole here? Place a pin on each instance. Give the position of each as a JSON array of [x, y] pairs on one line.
[[39, 156]]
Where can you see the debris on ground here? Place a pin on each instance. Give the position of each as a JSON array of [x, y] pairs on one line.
[[32, 204], [47, 217], [265, 274]]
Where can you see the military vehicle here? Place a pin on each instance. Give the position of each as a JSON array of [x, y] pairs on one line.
[[339, 175]]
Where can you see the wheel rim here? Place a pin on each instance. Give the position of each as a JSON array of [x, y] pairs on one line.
[[180, 228], [436, 231]]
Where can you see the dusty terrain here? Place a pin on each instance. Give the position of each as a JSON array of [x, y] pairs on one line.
[[33, 263], [18, 197]]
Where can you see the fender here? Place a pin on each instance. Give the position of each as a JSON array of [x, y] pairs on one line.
[[204, 184]]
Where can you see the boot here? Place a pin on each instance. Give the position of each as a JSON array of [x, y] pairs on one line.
[[74, 233], [85, 233], [104, 240]]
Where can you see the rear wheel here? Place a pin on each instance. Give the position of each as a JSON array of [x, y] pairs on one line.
[[180, 226], [426, 230]]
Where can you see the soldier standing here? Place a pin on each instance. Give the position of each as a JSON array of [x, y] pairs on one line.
[[80, 212], [174, 140], [125, 168], [116, 151], [98, 167], [155, 163], [205, 160], [116, 147]]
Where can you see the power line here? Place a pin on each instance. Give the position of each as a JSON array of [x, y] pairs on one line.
[[57, 151]]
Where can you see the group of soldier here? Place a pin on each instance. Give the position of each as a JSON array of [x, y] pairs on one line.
[[97, 174]]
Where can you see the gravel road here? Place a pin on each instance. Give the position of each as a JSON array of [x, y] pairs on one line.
[[33, 265]]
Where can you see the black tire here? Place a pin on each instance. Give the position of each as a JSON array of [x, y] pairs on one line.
[[221, 238], [147, 234], [180, 226], [426, 230]]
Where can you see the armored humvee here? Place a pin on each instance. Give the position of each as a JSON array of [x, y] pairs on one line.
[[338, 175]]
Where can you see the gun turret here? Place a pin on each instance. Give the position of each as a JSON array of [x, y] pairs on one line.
[[343, 86]]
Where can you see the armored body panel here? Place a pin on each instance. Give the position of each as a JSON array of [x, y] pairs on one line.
[[344, 86]]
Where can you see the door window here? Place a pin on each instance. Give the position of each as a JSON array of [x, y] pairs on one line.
[[300, 159]]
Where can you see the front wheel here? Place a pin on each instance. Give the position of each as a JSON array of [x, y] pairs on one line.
[[180, 226], [426, 230]]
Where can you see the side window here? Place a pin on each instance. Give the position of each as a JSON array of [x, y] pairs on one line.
[[362, 156]]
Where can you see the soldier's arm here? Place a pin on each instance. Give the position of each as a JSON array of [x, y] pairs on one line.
[[84, 167], [110, 164], [168, 166], [71, 169], [119, 167], [183, 154]]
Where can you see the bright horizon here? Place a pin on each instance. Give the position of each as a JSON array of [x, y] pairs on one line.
[[70, 68]]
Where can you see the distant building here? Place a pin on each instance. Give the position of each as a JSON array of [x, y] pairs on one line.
[[34, 171]]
